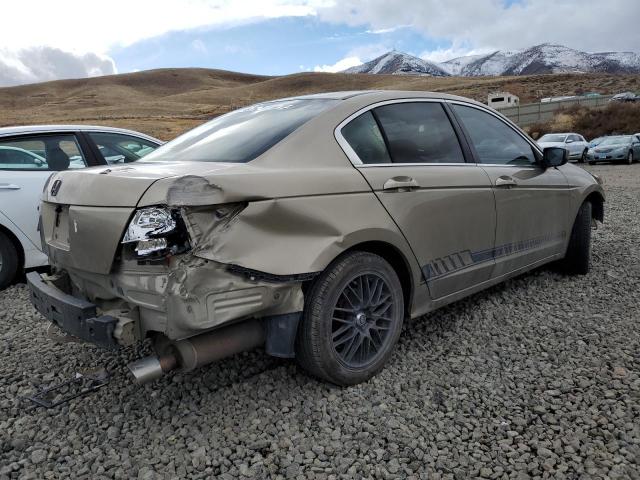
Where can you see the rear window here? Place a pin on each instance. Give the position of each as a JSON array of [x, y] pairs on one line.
[[242, 135]]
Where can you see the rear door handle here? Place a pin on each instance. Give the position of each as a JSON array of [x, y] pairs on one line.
[[400, 183], [506, 181], [9, 186]]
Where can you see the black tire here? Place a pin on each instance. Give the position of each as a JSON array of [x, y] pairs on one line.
[[583, 158], [630, 158], [347, 332], [576, 260], [9, 261]]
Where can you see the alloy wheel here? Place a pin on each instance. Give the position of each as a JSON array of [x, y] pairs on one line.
[[362, 319]]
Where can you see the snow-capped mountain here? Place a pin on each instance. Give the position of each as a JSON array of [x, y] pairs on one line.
[[397, 63], [545, 58]]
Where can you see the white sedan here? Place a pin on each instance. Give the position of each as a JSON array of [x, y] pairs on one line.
[[575, 144], [28, 156]]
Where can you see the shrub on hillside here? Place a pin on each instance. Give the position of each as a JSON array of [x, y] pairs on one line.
[[615, 118]]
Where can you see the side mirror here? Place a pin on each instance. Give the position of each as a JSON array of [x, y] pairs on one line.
[[554, 157], [569, 141]]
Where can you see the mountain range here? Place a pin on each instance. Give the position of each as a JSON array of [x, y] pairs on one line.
[[540, 59]]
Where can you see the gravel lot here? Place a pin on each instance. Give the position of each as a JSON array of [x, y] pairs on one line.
[[538, 377]]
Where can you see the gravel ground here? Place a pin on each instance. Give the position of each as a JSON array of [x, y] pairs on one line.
[[538, 377]]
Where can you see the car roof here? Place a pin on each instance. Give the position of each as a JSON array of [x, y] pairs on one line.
[[342, 95], [372, 96], [26, 129], [380, 94]]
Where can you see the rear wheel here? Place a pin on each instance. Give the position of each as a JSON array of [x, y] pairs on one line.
[[576, 261], [8, 261], [352, 319]]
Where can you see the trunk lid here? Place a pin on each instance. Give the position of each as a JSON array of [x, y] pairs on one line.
[[122, 186]]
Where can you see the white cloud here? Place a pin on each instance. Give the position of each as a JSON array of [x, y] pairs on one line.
[[340, 65], [381, 31], [40, 64], [72, 25], [490, 24]]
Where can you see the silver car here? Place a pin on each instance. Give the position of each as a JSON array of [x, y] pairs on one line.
[[616, 148]]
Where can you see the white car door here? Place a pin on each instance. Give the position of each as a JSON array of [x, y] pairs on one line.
[[570, 145], [584, 145], [26, 162]]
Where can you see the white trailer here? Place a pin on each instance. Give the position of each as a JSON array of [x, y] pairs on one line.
[[502, 99]]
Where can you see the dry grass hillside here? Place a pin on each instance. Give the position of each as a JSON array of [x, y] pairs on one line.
[[614, 119], [167, 102]]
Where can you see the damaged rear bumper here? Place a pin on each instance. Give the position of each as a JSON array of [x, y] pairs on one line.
[[180, 301], [73, 315]]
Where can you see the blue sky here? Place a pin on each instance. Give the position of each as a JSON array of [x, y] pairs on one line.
[[271, 47], [277, 37]]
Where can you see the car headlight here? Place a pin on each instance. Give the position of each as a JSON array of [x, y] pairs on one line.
[[155, 230]]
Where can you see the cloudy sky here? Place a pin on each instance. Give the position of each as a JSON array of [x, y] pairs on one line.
[[45, 40]]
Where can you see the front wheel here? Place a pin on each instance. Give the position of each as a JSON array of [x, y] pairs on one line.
[[8, 261], [352, 319], [583, 158], [630, 158], [576, 261]]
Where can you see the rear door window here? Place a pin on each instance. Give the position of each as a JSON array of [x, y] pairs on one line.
[[119, 148], [419, 132], [41, 153]]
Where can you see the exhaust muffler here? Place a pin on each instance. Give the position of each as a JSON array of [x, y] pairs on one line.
[[194, 352]]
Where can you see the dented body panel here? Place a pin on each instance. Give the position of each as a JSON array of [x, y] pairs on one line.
[[259, 231]]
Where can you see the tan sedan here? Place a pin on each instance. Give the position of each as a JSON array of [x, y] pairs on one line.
[[312, 226]]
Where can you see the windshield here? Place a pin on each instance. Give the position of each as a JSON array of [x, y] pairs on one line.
[[553, 138], [615, 141], [242, 135]]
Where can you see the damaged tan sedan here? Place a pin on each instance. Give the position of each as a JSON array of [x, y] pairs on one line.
[[312, 226]]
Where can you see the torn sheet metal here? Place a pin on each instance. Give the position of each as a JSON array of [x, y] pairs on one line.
[[292, 236]]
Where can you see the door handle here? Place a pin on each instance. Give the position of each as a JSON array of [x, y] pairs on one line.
[[9, 186], [400, 183], [505, 181]]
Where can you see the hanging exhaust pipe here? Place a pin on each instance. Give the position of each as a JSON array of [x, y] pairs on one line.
[[200, 350]]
